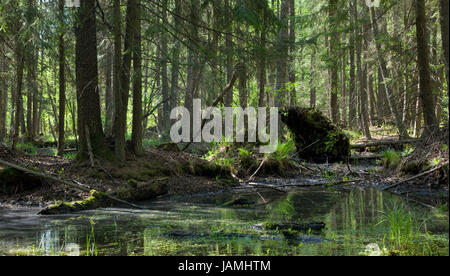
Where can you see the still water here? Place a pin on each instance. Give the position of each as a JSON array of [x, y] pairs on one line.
[[224, 224]]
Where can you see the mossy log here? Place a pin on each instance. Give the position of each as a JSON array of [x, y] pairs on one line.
[[95, 200], [315, 136], [316, 226], [143, 191]]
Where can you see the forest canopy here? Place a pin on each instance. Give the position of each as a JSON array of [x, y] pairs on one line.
[[113, 70]]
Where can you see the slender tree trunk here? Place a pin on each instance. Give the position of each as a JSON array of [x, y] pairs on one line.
[[119, 121], [344, 88], [352, 85], [137, 132], [164, 74], [292, 50], [333, 70], [393, 106], [62, 81], [362, 80], [283, 47], [423, 52], [19, 57], [262, 69], [109, 97], [175, 60], [3, 100], [444, 18], [228, 101], [312, 87]]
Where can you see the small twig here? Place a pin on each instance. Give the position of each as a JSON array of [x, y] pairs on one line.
[[257, 170]]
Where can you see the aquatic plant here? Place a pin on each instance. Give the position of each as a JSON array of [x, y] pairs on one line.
[[407, 234]]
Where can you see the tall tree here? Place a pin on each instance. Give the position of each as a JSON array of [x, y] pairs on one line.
[[119, 120], [443, 11], [386, 78], [332, 62], [423, 53], [88, 98], [62, 80], [283, 52], [137, 131]]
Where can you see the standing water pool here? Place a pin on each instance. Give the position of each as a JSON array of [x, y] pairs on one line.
[[358, 222]]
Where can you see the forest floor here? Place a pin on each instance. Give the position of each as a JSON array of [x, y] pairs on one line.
[[179, 172], [183, 173]]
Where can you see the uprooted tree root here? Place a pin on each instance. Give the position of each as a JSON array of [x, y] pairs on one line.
[[315, 136]]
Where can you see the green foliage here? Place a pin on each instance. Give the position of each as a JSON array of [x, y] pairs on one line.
[[284, 151], [404, 236], [27, 148], [391, 159]]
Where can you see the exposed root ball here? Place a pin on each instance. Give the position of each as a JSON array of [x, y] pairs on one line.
[[316, 137]]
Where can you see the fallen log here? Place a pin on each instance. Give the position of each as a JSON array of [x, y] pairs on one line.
[[318, 184], [414, 177], [385, 143], [66, 183], [365, 157]]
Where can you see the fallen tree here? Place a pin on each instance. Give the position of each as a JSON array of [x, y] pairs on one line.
[[381, 143]]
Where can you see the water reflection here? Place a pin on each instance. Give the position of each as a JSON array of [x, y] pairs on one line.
[[203, 226]]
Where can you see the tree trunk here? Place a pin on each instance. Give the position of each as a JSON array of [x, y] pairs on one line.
[[164, 74], [443, 10], [19, 57], [333, 69], [87, 86], [423, 53], [292, 50], [109, 97], [228, 101], [62, 81], [352, 85], [312, 87], [283, 47], [137, 132], [393, 106], [119, 128]]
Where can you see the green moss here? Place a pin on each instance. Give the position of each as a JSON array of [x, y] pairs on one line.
[[315, 136], [132, 183], [95, 200]]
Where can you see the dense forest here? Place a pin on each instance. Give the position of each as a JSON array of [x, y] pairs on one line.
[[87, 94], [119, 67]]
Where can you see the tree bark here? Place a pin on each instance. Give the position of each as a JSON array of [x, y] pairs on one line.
[[119, 128], [62, 81], [283, 52], [444, 18], [423, 53], [137, 132], [88, 97]]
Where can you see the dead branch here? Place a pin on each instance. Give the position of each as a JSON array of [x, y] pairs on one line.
[[415, 177]]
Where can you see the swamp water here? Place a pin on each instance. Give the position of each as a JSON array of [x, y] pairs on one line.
[[233, 224]]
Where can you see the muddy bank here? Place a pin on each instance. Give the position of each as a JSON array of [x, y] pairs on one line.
[[158, 172]]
